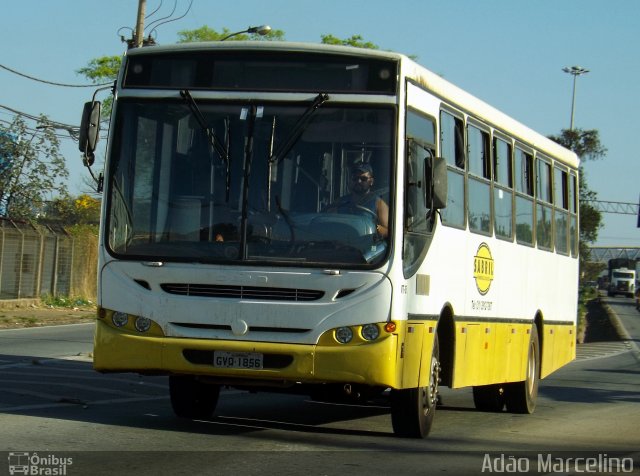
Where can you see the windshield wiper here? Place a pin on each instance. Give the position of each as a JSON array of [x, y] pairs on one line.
[[298, 129], [221, 149]]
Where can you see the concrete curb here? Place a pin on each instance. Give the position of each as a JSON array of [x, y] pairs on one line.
[[621, 330]]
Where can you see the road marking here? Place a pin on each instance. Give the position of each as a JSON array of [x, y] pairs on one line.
[[600, 350]]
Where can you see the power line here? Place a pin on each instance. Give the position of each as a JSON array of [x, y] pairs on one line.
[[73, 131], [52, 82]]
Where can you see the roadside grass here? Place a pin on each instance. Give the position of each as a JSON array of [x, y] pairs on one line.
[[66, 301], [585, 295], [24, 321], [49, 311]]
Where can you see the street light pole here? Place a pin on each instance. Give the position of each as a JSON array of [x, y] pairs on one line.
[[575, 71], [260, 30]]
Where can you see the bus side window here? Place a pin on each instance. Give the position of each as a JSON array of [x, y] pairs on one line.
[[544, 211], [561, 200], [573, 210], [524, 196], [503, 185], [452, 149], [479, 206], [420, 145]]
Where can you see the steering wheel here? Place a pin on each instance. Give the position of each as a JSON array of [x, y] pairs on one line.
[[351, 207], [365, 209]]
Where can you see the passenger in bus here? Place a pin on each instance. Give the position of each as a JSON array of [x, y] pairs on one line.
[[363, 198]]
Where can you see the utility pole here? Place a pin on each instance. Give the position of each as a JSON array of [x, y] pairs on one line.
[[139, 33]]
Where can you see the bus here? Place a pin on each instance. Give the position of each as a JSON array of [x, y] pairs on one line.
[[331, 221]]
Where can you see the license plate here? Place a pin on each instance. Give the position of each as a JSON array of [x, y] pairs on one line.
[[237, 360]]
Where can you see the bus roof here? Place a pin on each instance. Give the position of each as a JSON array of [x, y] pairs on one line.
[[448, 92]]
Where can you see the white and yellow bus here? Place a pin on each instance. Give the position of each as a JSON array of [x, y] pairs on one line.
[[237, 249]]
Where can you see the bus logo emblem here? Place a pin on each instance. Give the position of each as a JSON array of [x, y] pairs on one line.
[[483, 268]]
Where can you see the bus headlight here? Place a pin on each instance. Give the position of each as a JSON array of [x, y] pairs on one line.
[[344, 335], [119, 319], [142, 324], [370, 332]]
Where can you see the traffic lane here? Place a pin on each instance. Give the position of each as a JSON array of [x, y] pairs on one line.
[[626, 310], [47, 342], [34, 384], [51, 403]]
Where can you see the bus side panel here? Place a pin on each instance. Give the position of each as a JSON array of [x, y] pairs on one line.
[[558, 347], [487, 353], [507, 357], [412, 350], [416, 354], [427, 351]]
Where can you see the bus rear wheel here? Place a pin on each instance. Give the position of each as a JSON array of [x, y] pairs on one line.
[[191, 398], [413, 409], [520, 397]]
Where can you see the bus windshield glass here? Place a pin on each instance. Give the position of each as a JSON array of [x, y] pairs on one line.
[[206, 183]]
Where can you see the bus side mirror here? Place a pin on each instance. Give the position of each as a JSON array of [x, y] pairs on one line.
[[436, 174], [89, 130]]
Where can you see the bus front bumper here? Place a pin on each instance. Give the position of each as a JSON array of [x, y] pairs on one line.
[[367, 363]]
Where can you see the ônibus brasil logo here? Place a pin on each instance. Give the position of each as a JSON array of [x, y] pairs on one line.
[[483, 268]]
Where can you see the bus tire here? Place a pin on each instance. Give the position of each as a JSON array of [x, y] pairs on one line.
[[520, 397], [413, 409], [191, 398], [489, 398]]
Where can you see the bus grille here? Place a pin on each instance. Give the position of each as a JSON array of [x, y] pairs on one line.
[[242, 292]]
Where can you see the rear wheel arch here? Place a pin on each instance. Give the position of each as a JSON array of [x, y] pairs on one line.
[[446, 340]]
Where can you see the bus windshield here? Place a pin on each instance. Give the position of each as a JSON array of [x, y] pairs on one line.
[[209, 186]]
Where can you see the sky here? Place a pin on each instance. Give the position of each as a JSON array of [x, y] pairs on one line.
[[509, 53]]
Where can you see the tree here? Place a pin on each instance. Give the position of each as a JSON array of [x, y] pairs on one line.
[[32, 170], [81, 210], [102, 69], [586, 144], [205, 33], [354, 40]]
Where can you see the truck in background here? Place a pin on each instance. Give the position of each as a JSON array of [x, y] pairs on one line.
[[622, 277]]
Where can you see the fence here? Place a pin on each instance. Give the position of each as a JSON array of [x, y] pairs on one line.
[[38, 260]]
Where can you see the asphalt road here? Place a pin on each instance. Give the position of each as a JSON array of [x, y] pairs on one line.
[[54, 405]]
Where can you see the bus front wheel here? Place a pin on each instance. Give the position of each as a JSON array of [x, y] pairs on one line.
[[520, 397], [413, 409], [191, 398]]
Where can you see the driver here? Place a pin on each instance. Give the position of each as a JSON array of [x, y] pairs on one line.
[[361, 196]]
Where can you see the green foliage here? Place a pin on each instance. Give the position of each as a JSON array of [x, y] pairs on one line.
[[354, 40], [35, 171], [585, 143], [102, 69], [82, 209], [82, 230], [204, 33], [65, 301]]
